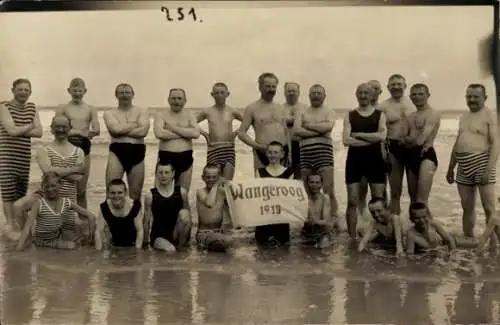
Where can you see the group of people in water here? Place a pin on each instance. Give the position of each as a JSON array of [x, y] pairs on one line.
[[292, 140]]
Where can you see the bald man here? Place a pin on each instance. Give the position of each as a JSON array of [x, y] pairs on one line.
[[313, 126], [292, 107], [364, 132], [84, 126], [128, 125]]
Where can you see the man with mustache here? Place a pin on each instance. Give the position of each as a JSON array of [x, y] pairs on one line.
[[292, 107], [364, 132], [396, 110], [313, 126], [128, 125], [423, 126], [176, 129], [268, 120], [19, 122], [475, 152], [84, 126]]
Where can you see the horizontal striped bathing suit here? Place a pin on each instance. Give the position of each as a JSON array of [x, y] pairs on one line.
[[50, 224], [471, 168], [68, 188], [221, 154], [315, 156], [15, 153]]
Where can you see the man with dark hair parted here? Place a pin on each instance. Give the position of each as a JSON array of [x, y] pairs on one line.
[[176, 129], [128, 125], [268, 120]]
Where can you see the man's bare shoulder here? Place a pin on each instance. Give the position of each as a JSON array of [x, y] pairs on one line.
[[254, 105]]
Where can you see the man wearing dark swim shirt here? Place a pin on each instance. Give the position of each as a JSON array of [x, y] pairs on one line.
[[128, 125], [268, 120], [120, 220]]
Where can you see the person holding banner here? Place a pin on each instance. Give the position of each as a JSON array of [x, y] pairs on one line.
[[319, 225], [212, 210], [276, 233]]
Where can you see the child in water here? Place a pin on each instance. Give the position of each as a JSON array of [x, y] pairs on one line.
[[429, 233]]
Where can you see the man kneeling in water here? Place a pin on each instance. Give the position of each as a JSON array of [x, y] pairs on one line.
[[166, 212], [428, 233], [53, 221], [386, 230], [319, 225], [211, 207], [120, 218]]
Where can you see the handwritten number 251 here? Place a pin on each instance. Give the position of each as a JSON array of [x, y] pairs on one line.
[[179, 14]]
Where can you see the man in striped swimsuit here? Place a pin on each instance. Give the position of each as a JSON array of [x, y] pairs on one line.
[[84, 126], [293, 107], [314, 126], [476, 153], [19, 122], [220, 136], [268, 120]]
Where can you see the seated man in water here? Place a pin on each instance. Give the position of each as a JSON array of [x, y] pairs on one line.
[[278, 234], [210, 203], [53, 217], [120, 217], [385, 230], [428, 233], [167, 215], [318, 228], [84, 126], [220, 136]]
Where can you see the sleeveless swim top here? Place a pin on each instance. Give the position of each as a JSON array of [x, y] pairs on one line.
[[165, 212], [365, 124], [123, 231], [51, 223], [17, 149], [68, 188]]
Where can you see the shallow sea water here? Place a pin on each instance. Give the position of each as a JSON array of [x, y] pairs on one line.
[[283, 286]]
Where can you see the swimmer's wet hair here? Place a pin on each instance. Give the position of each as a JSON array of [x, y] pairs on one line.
[[19, 81], [220, 84], [421, 85], [480, 86], [124, 84], [267, 75], [117, 182], [48, 176], [176, 89], [396, 76]]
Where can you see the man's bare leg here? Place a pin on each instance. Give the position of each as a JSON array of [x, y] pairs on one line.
[[425, 180], [114, 169], [352, 209], [8, 210], [487, 195], [182, 231], [363, 193], [412, 181], [228, 171], [468, 201], [396, 185], [135, 181], [82, 184], [328, 175], [377, 190], [185, 179]]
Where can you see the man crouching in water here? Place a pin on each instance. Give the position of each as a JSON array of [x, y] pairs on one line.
[[167, 216], [211, 207], [386, 229], [319, 226], [429, 233]]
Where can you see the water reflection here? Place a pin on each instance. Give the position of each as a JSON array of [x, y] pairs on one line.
[[18, 292], [477, 303]]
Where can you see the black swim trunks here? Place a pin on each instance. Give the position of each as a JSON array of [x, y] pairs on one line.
[[414, 158], [81, 142], [181, 161], [129, 154], [398, 150], [295, 155]]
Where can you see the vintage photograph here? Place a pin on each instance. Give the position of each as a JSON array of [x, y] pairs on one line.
[[271, 164]]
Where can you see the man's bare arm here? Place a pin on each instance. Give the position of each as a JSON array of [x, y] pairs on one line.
[[28, 226], [95, 125], [139, 228], [298, 128], [185, 200], [445, 235], [246, 123], [347, 139], [493, 144], [37, 130], [159, 129], [148, 216], [369, 235], [324, 126], [190, 132], [9, 124], [116, 128], [142, 129], [45, 165], [430, 130]]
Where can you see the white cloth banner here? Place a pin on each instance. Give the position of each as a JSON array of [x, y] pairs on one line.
[[265, 201]]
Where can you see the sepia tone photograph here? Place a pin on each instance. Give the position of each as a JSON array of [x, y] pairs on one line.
[[277, 163]]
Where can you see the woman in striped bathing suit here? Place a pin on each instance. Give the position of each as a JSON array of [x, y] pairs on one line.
[[19, 122], [52, 217]]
